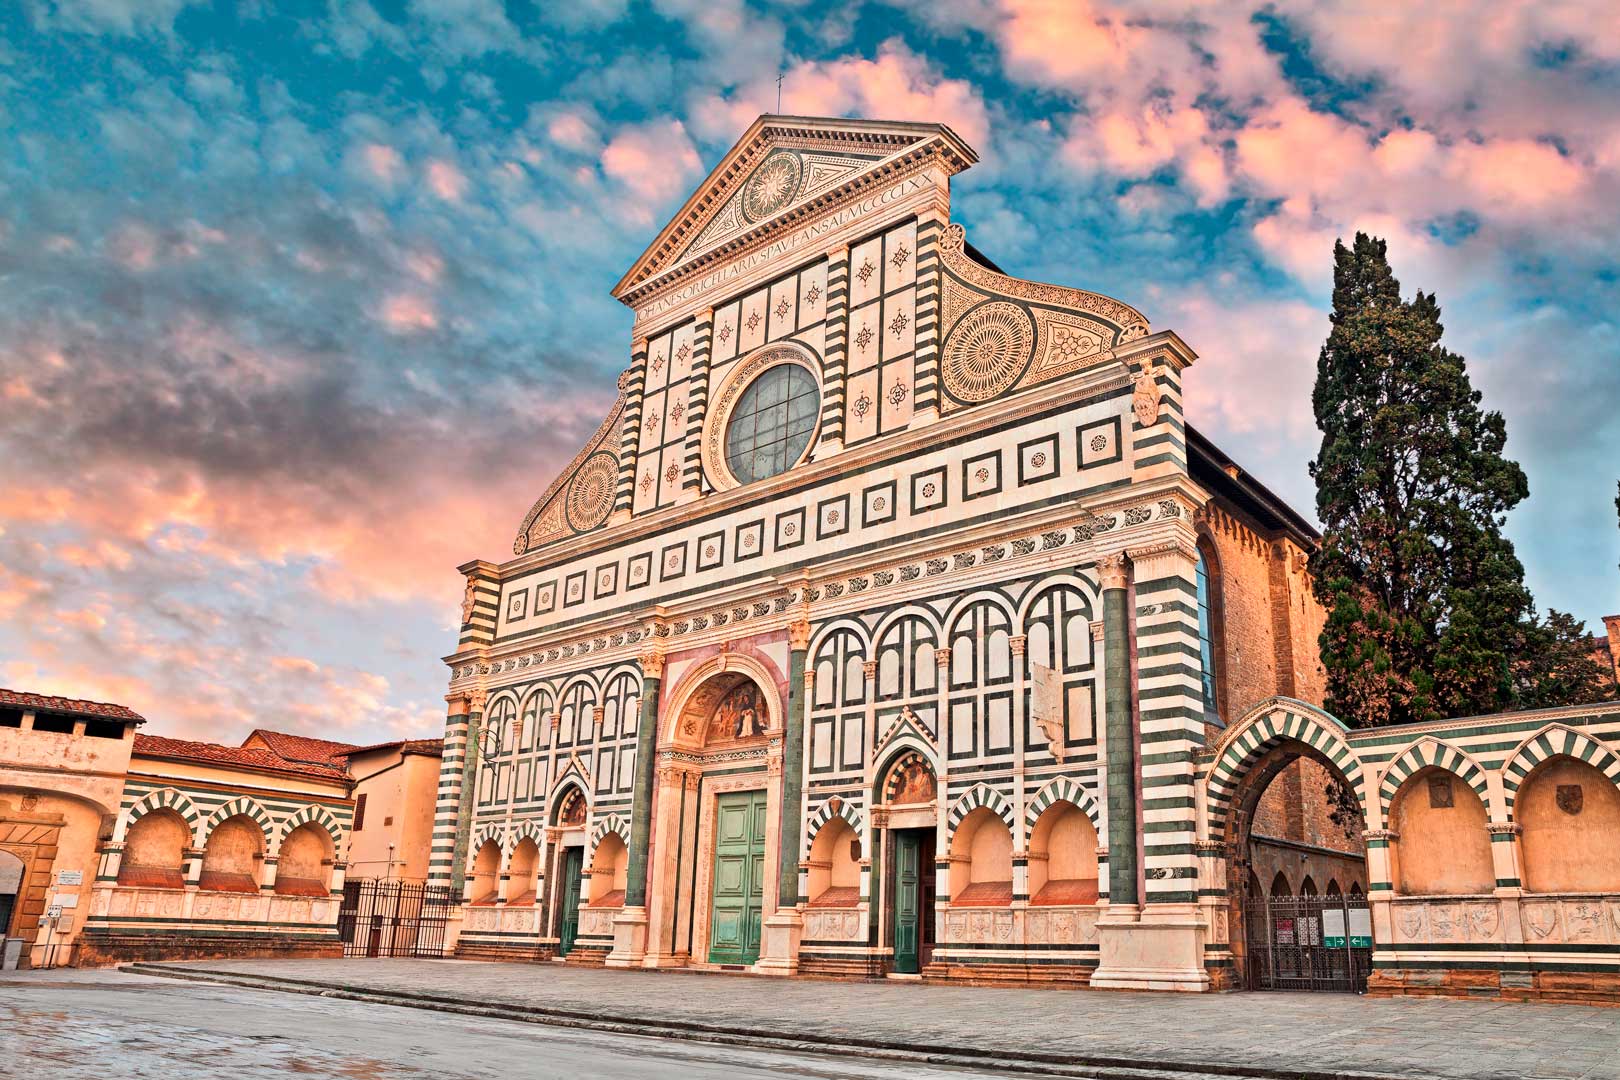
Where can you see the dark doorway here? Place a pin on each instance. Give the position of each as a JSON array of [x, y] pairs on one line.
[[568, 902], [911, 895]]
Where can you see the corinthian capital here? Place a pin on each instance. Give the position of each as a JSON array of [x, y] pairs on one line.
[[799, 635], [1111, 569], [652, 664]]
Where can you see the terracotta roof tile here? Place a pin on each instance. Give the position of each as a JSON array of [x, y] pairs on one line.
[[984, 894], [220, 881], [840, 897], [1066, 891], [151, 877], [408, 746], [299, 886], [302, 748], [24, 700], [215, 754]]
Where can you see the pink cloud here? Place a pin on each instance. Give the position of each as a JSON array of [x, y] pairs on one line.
[[384, 161], [405, 313], [1066, 42], [572, 131], [654, 163], [896, 84], [445, 180]]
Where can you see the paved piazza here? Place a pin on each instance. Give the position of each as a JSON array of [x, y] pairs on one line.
[[1272, 1033], [79, 1025]]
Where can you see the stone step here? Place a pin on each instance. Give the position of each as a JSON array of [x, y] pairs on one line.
[[1002, 1062]]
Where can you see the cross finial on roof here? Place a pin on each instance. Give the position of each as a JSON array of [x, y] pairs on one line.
[[779, 77]]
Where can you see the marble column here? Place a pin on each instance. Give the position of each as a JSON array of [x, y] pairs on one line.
[[467, 787], [779, 952], [630, 925], [1124, 814]]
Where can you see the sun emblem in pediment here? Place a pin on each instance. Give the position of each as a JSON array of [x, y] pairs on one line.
[[772, 186]]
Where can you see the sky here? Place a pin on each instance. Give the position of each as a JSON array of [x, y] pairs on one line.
[[303, 304]]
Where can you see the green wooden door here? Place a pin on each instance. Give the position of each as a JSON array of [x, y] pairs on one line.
[[568, 928], [739, 878], [907, 903]]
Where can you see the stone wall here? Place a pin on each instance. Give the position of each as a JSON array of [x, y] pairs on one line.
[[1297, 807], [1268, 621]]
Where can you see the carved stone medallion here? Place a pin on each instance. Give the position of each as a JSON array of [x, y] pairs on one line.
[[772, 186], [590, 495], [987, 351]]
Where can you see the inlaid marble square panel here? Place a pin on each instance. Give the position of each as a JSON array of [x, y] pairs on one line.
[[1038, 460], [832, 517], [1099, 443], [981, 476]]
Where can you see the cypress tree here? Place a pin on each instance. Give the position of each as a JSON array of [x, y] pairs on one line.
[[1425, 599]]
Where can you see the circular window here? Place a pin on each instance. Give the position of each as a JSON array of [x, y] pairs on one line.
[[771, 425]]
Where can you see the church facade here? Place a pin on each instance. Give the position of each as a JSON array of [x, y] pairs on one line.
[[894, 622]]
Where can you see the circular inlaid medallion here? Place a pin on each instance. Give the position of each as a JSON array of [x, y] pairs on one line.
[[773, 184], [590, 496], [987, 350]]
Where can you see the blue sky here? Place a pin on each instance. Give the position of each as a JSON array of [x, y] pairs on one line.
[[301, 305]]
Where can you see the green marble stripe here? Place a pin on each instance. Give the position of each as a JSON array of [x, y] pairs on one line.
[[1123, 814]]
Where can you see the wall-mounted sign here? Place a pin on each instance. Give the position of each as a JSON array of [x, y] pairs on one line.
[[70, 877]]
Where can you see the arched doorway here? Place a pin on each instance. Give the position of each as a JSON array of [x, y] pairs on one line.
[[1290, 816], [713, 873], [570, 810], [906, 800]]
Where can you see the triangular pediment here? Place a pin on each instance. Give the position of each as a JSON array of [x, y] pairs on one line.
[[781, 165]]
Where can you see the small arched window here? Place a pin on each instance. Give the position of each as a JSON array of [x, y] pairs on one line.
[[1206, 638]]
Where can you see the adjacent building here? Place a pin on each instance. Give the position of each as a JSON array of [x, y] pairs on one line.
[[62, 769], [116, 845]]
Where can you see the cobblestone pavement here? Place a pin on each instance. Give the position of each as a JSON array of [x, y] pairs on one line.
[[1321, 1033], [109, 1025]]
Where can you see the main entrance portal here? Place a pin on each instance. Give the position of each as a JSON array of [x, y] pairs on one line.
[[739, 878]]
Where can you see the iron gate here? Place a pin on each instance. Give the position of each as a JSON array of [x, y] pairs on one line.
[[1308, 943], [394, 918]]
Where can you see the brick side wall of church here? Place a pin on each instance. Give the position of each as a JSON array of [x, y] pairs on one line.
[[1270, 620], [1296, 807]]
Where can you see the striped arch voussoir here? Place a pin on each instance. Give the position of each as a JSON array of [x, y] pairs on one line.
[[242, 805], [1063, 789], [318, 814], [977, 796], [164, 798], [1550, 742], [1264, 729], [483, 834], [1422, 754], [527, 830], [825, 813], [613, 823]]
